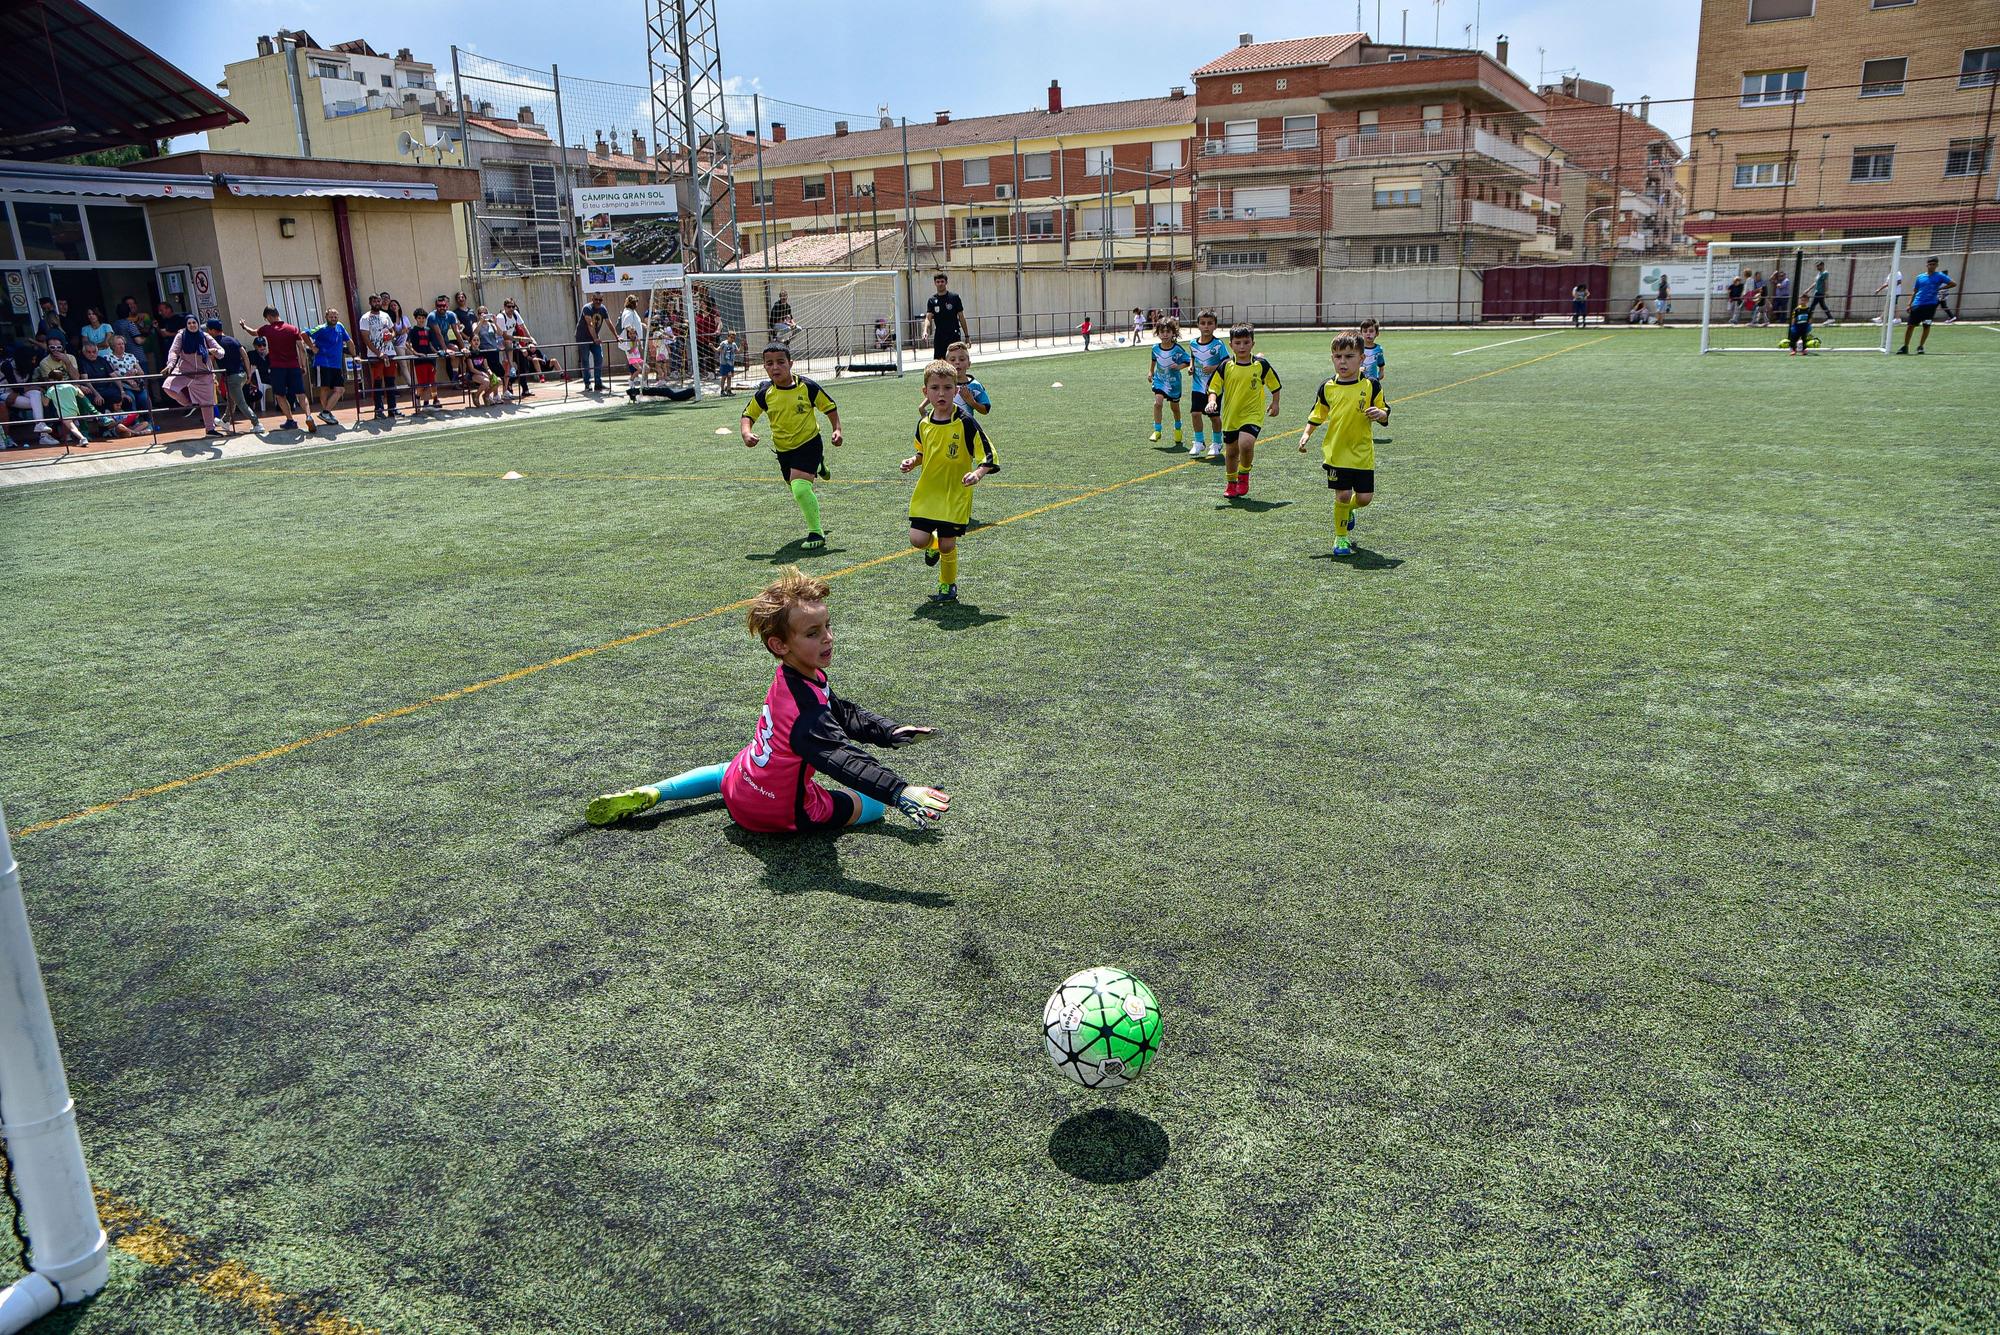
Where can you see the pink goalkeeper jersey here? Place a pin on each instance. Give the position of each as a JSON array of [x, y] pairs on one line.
[[804, 726]]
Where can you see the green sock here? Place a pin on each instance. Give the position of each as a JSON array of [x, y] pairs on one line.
[[808, 499]]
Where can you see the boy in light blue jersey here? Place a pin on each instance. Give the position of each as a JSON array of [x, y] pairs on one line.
[[1169, 360], [1925, 294], [1208, 354]]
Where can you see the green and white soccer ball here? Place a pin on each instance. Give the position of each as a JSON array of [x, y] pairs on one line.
[[1102, 1028]]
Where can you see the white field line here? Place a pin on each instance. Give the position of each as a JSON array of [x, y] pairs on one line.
[[1504, 342]]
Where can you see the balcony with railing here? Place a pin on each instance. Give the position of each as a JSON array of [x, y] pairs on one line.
[[1515, 222], [1445, 142], [1260, 153], [1220, 223]]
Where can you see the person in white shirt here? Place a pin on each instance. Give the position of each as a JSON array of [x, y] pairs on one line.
[[1895, 281], [378, 344], [632, 337], [515, 337]]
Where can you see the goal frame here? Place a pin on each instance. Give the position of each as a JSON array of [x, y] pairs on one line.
[[895, 349], [1788, 248]]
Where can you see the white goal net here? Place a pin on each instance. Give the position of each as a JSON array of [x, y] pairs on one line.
[[836, 322], [1854, 290]]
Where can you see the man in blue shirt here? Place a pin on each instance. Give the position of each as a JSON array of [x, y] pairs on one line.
[[330, 342], [1924, 294]]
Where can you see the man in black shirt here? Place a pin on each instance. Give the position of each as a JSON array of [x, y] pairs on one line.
[[944, 317]]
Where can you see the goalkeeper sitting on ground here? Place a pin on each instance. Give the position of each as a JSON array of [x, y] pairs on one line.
[[804, 727]]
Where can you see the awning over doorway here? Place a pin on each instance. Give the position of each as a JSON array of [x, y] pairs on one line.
[[53, 179], [279, 187]]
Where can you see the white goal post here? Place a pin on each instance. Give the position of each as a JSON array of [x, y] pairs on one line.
[[1863, 279], [837, 322]]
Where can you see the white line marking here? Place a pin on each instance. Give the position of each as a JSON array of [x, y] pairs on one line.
[[1525, 338]]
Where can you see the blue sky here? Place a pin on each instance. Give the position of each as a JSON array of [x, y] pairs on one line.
[[974, 57]]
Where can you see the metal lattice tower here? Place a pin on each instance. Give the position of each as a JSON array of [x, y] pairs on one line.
[[691, 124]]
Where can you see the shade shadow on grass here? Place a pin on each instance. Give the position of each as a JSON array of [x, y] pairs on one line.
[[1109, 1146], [791, 553], [1254, 507], [955, 616], [1363, 559], [798, 864]]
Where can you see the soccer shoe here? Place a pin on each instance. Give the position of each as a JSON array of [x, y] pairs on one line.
[[1341, 547], [1243, 485], [1229, 489], [947, 594], [1196, 450], [1902, 350], [1920, 352], [1350, 519], [617, 806], [931, 556], [825, 473], [1156, 434], [813, 542]]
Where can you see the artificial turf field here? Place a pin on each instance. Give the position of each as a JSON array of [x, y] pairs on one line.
[[1571, 913]]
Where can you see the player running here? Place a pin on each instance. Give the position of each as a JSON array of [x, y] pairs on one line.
[[1236, 395], [792, 402], [804, 727], [1349, 404], [1208, 353], [1169, 360], [948, 439]]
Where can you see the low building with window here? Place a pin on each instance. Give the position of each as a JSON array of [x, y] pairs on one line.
[[1103, 182], [1847, 118], [1335, 150]]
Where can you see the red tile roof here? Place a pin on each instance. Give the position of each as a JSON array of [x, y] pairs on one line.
[[1088, 118], [509, 129], [1287, 54]]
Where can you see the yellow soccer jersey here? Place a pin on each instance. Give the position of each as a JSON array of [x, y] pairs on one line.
[[951, 450], [1243, 385], [791, 410], [1350, 436]]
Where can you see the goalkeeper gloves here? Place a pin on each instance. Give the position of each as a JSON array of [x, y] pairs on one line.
[[922, 805]]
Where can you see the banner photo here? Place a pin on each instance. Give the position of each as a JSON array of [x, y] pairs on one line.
[[1683, 280], [628, 237]]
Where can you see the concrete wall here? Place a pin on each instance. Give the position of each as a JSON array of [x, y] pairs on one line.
[[403, 248]]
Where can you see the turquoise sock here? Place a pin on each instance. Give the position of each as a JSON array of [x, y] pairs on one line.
[[871, 810], [703, 782], [1198, 438]]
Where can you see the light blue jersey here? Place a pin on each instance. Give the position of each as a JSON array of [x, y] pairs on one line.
[[1928, 286], [1169, 360], [1373, 359], [1208, 359]]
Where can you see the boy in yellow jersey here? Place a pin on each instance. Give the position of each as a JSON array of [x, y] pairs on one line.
[[948, 440], [1349, 404], [792, 402], [1237, 392]]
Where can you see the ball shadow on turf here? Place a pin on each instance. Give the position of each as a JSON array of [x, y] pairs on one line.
[[797, 864], [1109, 1146]]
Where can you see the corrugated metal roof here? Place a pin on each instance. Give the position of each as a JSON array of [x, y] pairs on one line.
[[1287, 54], [87, 85], [1089, 118]]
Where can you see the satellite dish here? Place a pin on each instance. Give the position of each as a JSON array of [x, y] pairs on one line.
[[405, 145]]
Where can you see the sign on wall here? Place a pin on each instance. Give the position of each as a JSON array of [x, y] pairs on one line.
[[628, 237], [205, 304], [1683, 280]]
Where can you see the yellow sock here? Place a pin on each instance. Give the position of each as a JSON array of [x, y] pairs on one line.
[[1340, 513], [948, 567], [933, 542]]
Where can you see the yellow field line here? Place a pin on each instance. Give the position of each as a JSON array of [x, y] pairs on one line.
[[460, 692], [232, 1283], [758, 478], [1515, 366]]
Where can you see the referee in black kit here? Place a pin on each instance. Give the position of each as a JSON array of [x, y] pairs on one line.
[[944, 317]]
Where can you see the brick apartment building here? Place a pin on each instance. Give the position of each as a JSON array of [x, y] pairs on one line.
[[1617, 165], [1831, 118], [1059, 184], [1336, 150]]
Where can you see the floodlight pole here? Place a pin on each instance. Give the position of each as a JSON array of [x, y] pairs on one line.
[[68, 1253]]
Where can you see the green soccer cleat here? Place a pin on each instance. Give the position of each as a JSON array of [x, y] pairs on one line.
[[1341, 547], [932, 556], [813, 542], [617, 806], [825, 473], [947, 594]]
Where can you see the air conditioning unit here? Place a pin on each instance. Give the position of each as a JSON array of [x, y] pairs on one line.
[[1003, 191]]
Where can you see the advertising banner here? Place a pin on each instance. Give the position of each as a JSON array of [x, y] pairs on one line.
[[628, 237]]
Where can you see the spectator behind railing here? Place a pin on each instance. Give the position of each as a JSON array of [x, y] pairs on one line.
[[23, 401], [79, 416], [130, 384]]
